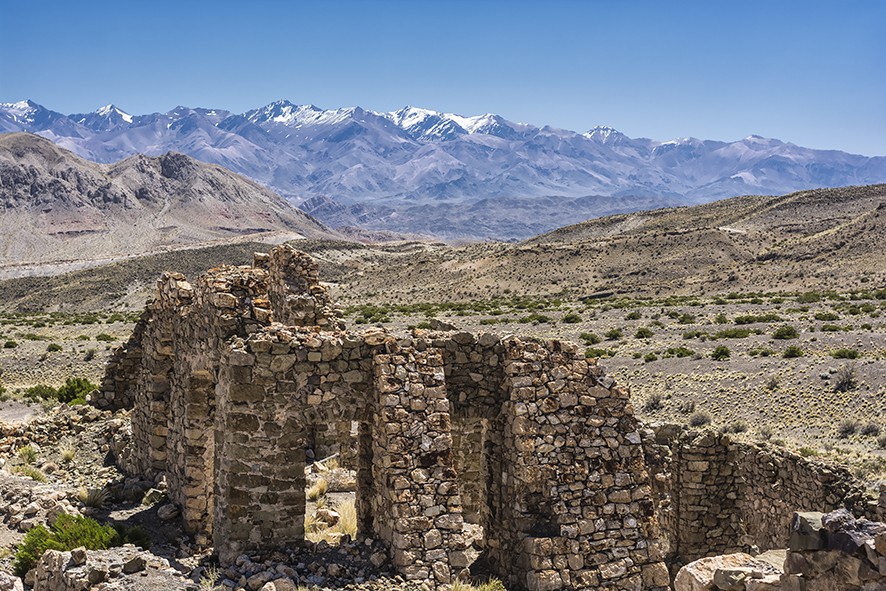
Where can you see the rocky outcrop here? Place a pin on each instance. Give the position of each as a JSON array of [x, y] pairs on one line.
[[117, 569]]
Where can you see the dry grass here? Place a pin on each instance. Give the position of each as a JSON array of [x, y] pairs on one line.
[[318, 490], [94, 497]]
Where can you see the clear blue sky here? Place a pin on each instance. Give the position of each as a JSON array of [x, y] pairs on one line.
[[809, 72]]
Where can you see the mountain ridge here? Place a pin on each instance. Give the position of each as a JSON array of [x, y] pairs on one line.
[[382, 171], [56, 207]]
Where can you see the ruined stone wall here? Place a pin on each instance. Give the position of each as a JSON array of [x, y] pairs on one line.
[[117, 390], [543, 447], [715, 495]]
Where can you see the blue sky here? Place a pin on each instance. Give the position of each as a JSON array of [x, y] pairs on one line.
[[813, 73]]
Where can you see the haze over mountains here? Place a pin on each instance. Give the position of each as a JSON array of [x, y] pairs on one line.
[[56, 208], [422, 171]]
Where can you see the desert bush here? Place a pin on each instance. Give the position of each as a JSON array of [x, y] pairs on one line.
[[635, 315], [695, 334], [792, 352], [687, 407], [721, 319], [89, 355], [654, 402], [68, 454], [845, 379], [700, 419], [643, 333], [571, 318], [844, 354], [589, 338], [650, 357], [104, 337], [830, 328], [53, 348], [613, 334], [847, 428], [94, 497], [785, 332], [870, 430], [347, 518], [826, 316], [735, 427], [10, 345], [598, 353], [721, 353], [27, 454], [733, 333], [68, 532], [686, 318], [31, 472], [678, 352]]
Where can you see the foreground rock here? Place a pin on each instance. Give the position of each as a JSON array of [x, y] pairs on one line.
[[117, 569]]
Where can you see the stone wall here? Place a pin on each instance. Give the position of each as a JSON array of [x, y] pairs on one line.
[[716, 495], [117, 387], [543, 448]]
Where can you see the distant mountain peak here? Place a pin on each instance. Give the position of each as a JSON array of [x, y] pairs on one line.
[[604, 134]]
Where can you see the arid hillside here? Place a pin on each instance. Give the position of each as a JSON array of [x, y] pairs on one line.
[[58, 209]]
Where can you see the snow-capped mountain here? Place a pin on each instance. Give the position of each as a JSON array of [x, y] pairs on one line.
[[424, 171]]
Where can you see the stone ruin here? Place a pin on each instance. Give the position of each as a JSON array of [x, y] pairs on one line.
[[235, 379]]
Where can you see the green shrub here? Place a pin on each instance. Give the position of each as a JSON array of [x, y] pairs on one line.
[[635, 315], [721, 353], [848, 427], [679, 352], [589, 338], [643, 333], [810, 297], [844, 354], [792, 352], [613, 335], [536, 318], [31, 472], [785, 332], [27, 454], [75, 388], [695, 334], [571, 318], [10, 345], [53, 348], [104, 337], [733, 333], [686, 318], [40, 392], [67, 533], [598, 353], [649, 357], [721, 319], [826, 316]]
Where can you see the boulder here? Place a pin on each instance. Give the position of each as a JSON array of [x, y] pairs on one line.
[[10, 583], [807, 532], [699, 575]]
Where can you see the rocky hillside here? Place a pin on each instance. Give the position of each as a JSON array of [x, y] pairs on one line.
[[57, 207]]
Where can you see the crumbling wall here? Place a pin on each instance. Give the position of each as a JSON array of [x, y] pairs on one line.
[[715, 495], [117, 390], [546, 451]]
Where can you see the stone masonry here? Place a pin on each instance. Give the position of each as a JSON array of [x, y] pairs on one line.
[[237, 373]]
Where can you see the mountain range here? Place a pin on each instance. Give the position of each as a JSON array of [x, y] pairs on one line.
[[426, 172], [59, 211]]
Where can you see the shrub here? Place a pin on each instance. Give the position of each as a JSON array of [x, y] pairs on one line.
[[31, 472], [94, 497], [104, 337], [571, 318], [721, 319], [649, 357], [721, 353], [686, 318], [89, 355], [736, 427], [613, 335], [844, 354], [68, 454], [845, 379], [687, 407], [870, 430], [10, 345], [589, 338], [826, 316], [75, 389], [792, 352], [347, 518], [830, 328], [643, 333], [847, 427], [654, 402], [27, 454], [597, 352], [695, 334], [536, 318], [733, 333], [785, 332], [700, 419], [679, 352], [635, 315], [67, 533], [53, 348], [754, 319]]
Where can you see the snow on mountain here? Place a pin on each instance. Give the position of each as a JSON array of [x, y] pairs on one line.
[[351, 166]]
